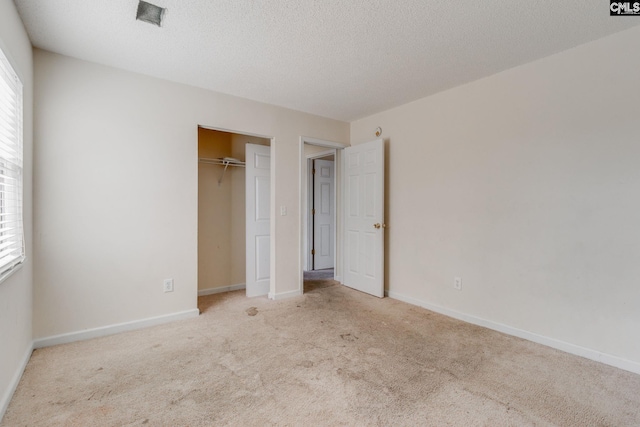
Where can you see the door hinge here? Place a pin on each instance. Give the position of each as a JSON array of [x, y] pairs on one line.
[[313, 211], [313, 251], [313, 172]]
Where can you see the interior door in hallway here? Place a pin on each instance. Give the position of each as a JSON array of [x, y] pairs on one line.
[[258, 220], [323, 214], [364, 217]]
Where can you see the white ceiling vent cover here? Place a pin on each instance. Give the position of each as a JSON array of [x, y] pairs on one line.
[[150, 13]]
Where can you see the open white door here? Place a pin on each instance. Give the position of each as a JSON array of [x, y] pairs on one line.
[[323, 214], [364, 217], [258, 185]]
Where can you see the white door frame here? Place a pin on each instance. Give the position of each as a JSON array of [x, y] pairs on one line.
[[309, 221], [336, 147], [272, 187]]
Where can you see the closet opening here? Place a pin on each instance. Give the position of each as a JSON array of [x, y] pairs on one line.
[[222, 212]]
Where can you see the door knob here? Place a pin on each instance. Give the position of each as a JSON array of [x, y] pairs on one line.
[[377, 225]]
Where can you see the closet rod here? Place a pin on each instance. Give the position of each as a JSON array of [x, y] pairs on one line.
[[226, 162]]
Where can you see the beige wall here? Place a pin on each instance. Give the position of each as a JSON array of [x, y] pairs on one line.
[[525, 184], [117, 190], [16, 291]]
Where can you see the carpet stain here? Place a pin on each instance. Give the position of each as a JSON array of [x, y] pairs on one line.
[[348, 337], [252, 311]]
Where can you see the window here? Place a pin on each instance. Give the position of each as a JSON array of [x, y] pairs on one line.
[[11, 227]]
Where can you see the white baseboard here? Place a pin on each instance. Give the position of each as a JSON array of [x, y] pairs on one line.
[[577, 350], [8, 394], [114, 329], [212, 291], [285, 295]]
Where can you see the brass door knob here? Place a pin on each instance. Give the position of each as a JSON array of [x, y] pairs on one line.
[[377, 225]]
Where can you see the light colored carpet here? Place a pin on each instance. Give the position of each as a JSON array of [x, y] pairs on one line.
[[333, 356], [318, 279]]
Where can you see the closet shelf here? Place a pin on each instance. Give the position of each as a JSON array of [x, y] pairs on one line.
[[223, 161]]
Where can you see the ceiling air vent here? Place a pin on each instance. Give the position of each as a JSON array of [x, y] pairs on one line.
[[150, 13]]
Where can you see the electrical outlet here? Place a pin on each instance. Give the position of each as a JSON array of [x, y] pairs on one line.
[[168, 285], [457, 283], [283, 210]]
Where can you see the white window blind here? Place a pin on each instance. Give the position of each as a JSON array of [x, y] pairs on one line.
[[11, 227]]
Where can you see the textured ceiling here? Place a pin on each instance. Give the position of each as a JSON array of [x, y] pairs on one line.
[[343, 59]]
